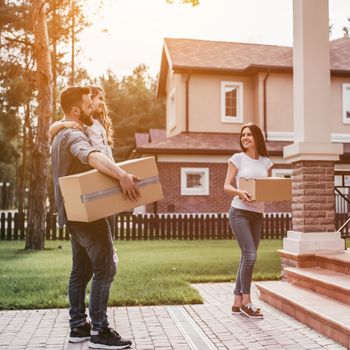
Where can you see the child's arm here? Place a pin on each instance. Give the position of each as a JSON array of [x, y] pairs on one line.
[[62, 124]]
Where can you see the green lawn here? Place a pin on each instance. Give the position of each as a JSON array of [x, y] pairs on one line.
[[149, 272]]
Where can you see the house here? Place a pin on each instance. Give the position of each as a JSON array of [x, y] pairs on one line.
[[212, 88]]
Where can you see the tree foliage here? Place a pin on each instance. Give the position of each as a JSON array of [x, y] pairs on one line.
[[33, 33], [27, 103], [346, 28], [192, 2], [18, 90], [133, 107]]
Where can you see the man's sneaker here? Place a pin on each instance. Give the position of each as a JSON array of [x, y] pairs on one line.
[[79, 334], [108, 338], [251, 311], [235, 310]]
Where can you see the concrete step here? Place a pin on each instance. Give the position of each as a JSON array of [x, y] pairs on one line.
[[326, 282], [335, 262], [326, 315]]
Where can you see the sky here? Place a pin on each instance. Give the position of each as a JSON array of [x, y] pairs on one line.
[[136, 28]]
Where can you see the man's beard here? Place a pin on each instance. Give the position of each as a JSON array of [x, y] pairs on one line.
[[86, 118]]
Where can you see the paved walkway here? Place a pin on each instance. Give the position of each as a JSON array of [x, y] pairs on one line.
[[190, 327]]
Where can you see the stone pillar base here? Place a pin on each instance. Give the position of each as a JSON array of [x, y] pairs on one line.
[[300, 249], [312, 242]]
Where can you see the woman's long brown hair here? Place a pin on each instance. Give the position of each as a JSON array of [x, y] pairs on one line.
[[103, 117]]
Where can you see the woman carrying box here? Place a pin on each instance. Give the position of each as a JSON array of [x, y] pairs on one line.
[[246, 216]]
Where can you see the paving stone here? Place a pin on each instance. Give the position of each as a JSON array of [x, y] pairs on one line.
[[153, 327]]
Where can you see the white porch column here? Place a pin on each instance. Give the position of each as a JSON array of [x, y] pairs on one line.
[[312, 154]]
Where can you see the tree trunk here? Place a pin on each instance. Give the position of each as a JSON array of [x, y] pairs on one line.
[[54, 66], [72, 78], [39, 174]]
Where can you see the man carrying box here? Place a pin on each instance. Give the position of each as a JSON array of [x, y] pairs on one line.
[[92, 247]]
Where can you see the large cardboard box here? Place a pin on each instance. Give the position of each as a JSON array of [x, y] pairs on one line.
[[92, 195], [268, 188]]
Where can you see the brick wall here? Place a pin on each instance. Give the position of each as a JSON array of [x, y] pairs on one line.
[[216, 202], [276, 207], [313, 205]]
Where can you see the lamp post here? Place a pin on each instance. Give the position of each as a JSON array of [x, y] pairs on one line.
[[1, 195], [26, 199], [7, 196]]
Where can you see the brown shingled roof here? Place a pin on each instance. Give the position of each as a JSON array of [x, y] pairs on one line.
[[157, 134], [141, 138], [217, 56], [203, 143], [191, 53], [340, 54], [185, 53]]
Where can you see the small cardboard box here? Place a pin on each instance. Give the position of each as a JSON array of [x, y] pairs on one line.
[[268, 188], [91, 195]]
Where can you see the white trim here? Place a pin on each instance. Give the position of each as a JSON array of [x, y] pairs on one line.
[[279, 160], [204, 191], [311, 242], [289, 136], [172, 110], [174, 158], [206, 159], [280, 136], [342, 167], [345, 93], [342, 138], [229, 119], [281, 172]]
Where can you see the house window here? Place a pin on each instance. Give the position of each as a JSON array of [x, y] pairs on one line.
[[231, 102], [284, 173], [194, 181], [346, 103], [172, 111]]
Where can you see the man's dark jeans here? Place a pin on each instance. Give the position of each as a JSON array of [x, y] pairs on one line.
[[246, 226], [93, 255]]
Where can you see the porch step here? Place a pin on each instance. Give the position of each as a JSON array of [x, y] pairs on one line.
[[326, 315], [332, 284], [335, 262]]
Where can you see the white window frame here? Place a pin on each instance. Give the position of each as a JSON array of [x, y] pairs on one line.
[[281, 172], [185, 191], [172, 111], [239, 117], [346, 90]]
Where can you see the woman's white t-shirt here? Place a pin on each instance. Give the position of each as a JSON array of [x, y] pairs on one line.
[[248, 167]]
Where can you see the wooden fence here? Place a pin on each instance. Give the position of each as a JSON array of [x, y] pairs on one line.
[[149, 227], [162, 226]]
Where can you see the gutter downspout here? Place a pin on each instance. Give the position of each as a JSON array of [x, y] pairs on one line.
[[265, 103], [187, 101], [155, 204]]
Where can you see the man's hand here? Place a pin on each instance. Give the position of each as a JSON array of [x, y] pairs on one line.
[[127, 181], [128, 185]]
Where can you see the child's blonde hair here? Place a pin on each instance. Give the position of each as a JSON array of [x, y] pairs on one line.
[[103, 117]]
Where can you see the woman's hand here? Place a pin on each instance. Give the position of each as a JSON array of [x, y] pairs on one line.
[[244, 196]]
